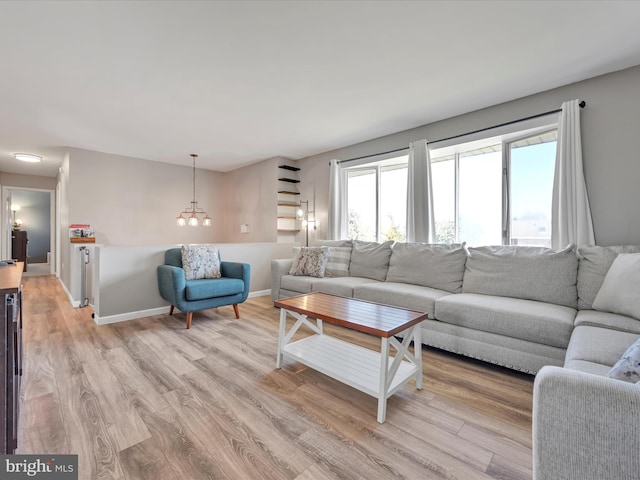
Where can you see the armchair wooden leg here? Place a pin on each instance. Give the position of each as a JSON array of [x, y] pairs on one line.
[[189, 317], [235, 309], [171, 310]]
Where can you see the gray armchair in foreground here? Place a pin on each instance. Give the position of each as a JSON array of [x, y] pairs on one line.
[[190, 296]]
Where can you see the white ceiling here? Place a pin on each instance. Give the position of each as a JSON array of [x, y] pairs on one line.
[[240, 82]]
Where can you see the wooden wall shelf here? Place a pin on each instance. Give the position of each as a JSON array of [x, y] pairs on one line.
[[289, 167]]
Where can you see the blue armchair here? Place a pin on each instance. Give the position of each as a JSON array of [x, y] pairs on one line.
[[194, 295]]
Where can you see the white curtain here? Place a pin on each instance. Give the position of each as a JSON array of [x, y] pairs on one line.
[[571, 216], [420, 222], [337, 203]]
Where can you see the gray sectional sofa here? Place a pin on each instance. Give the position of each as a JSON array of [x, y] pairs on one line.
[[513, 306], [526, 308]]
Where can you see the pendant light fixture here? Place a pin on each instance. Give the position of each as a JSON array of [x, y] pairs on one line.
[[190, 214]]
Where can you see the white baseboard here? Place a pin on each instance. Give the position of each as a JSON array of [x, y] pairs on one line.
[[74, 303], [130, 315], [150, 312]]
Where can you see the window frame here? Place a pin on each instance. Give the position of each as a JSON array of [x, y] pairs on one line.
[[505, 141], [378, 165], [506, 173]]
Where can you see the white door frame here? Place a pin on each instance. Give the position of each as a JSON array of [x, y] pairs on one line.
[[5, 228]]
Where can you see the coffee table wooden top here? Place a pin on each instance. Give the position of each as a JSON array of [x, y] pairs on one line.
[[362, 316]]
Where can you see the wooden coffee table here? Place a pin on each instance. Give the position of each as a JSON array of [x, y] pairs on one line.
[[375, 373]]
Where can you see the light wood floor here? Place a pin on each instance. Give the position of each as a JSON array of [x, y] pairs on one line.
[[148, 399]]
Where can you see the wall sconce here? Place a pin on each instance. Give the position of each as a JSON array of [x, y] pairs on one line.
[[307, 217]]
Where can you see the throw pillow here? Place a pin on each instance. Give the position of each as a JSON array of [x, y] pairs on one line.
[[338, 262], [310, 261], [594, 264], [628, 367], [620, 291], [200, 261], [370, 260]]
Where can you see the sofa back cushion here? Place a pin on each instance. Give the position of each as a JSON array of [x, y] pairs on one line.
[[438, 266], [530, 273], [594, 263], [331, 243], [370, 260]]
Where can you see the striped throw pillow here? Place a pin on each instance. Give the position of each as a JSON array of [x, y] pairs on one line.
[[338, 263]]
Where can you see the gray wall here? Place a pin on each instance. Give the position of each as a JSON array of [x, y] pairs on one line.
[[131, 201], [251, 200], [610, 125]]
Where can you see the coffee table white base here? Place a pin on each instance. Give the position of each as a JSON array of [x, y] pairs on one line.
[[375, 373]]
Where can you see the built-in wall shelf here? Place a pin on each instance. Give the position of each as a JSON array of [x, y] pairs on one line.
[[289, 167], [288, 223]]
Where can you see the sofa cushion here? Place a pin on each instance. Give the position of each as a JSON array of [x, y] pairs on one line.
[[338, 262], [531, 273], [342, 286], [413, 297], [586, 366], [594, 318], [529, 320], [594, 263], [627, 368], [200, 261], [212, 287], [620, 290], [439, 266], [297, 283], [310, 261], [370, 259], [597, 345]]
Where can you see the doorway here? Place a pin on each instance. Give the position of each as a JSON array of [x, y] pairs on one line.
[[30, 211]]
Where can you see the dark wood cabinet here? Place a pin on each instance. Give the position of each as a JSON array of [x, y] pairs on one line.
[[19, 241], [11, 356]]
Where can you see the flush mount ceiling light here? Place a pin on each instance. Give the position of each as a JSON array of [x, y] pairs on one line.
[[193, 211], [27, 157]]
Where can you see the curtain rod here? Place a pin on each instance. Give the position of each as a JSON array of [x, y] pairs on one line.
[[582, 104]]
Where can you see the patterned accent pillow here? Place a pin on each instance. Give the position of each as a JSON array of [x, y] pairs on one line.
[[627, 368], [310, 261], [200, 261], [338, 262]]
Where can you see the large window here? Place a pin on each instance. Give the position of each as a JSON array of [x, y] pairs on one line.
[[377, 200], [495, 192], [488, 192]]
